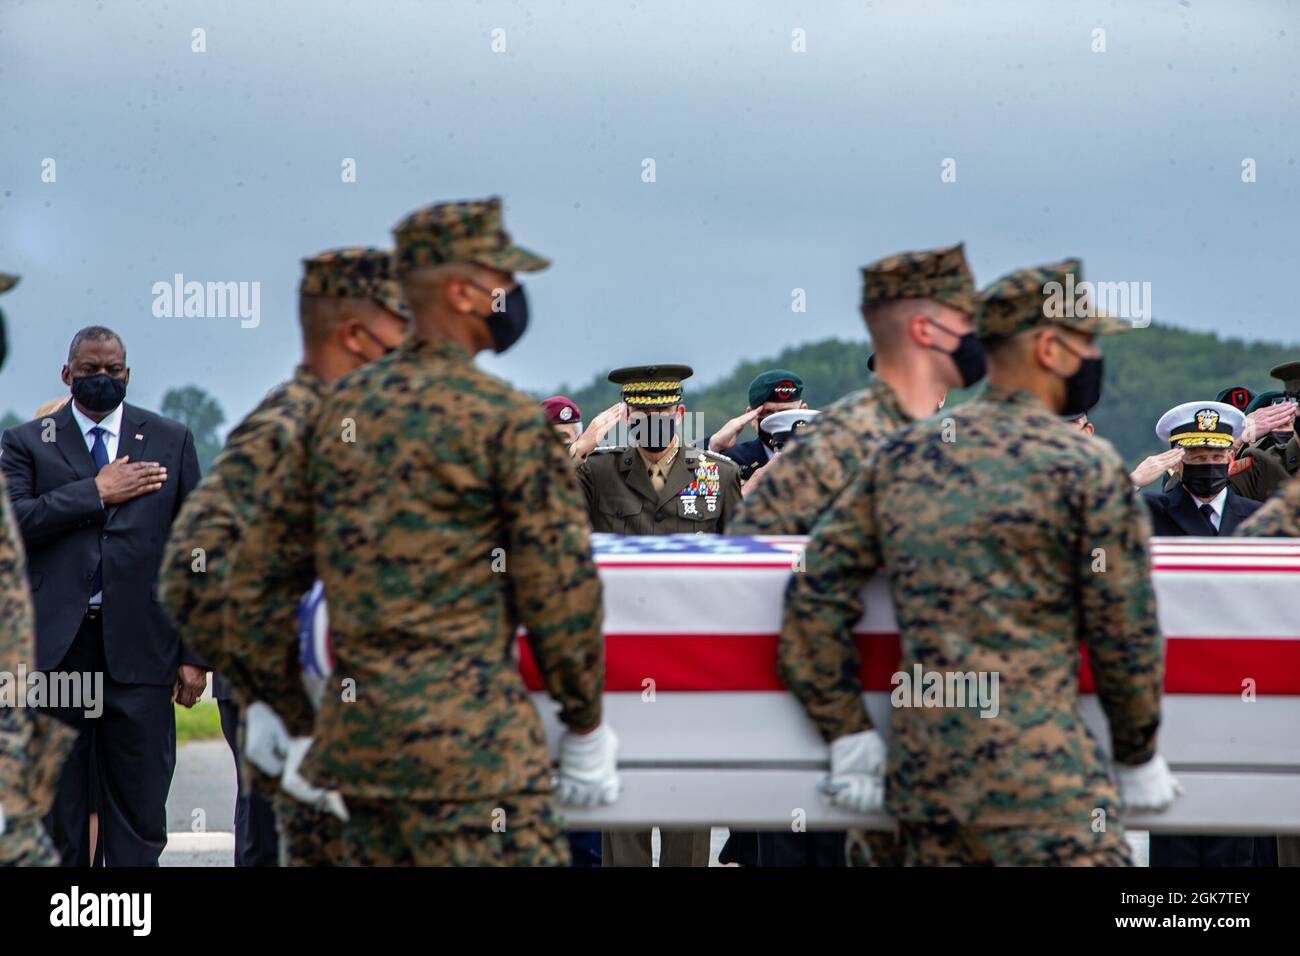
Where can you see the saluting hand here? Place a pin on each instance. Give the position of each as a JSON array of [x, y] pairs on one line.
[[1154, 466], [726, 436], [586, 443], [123, 479], [1265, 419]]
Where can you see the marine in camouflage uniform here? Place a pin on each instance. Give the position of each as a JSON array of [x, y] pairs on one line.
[[987, 523], [33, 746], [440, 513], [813, 469], [217, 514], [1279, 518], [1268, 464]]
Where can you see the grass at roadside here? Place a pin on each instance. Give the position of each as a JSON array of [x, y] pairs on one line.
[[201, 722]]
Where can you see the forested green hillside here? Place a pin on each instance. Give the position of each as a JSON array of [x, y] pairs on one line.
[[1147, 372]]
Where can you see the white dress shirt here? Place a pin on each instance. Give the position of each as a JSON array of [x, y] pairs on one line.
[[112, 425], [1216, 503]]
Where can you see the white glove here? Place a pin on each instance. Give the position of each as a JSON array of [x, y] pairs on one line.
[[589, 768], [266, 739], [1148, 786], [857, 780], [300, 788]]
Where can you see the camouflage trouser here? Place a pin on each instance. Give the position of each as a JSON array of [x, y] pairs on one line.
[[874, 848], [307, 836], [27, 844], [927, 844], [514, 831]]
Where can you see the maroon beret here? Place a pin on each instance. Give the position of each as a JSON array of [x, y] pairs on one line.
[[562, 410]]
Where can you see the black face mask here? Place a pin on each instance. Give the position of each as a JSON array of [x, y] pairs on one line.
[[968, 356], [1205, 481], [1281, 438], [99, 393], [656, 429], [1083, 388], [387, 349], [508, 325]]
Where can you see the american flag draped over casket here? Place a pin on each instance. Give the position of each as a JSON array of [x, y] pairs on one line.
[[703, 613], [709, 735]]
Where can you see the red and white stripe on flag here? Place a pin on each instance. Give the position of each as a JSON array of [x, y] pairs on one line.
[[703, 613]]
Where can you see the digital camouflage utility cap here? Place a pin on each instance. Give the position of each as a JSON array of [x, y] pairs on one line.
[[467, 231], [357, 272], [1042, 295], [938, 274]]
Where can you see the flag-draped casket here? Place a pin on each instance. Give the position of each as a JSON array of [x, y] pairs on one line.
[[709, 735]]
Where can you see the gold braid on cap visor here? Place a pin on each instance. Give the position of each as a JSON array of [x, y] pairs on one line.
[[652, 393], [1193, 440]]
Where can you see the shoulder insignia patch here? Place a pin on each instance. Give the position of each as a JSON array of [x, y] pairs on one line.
[[1240, 465]]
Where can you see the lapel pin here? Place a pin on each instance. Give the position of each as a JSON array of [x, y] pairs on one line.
[[139, 438]]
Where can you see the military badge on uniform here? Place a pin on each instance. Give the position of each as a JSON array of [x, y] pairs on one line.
[[1207, 419], [706, 482]]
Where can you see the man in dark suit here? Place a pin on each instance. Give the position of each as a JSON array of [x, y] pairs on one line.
[[1201, 504], [95, 487], [776, 390]]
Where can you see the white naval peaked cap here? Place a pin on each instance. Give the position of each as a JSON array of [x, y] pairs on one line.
[[1200, 425], [788, 420]]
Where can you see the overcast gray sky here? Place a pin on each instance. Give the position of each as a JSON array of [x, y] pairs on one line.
[[775, 169]]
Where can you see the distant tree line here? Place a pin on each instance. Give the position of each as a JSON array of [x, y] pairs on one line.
[[1148, 371]]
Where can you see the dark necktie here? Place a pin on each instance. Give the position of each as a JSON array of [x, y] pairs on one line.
[[1208, 511], [99, 455]]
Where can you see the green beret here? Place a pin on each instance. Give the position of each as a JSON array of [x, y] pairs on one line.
[[1042, 295], [7, 281], [775, 385], [941, 275], [357, 272], [1265, 398], [468, 231], [1238, 396]]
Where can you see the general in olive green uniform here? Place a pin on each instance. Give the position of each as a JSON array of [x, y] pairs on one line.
[[1273, 459], [814, 468], [681, 490], [440, 513], [33, 746], [657, 486], [987, 523]]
